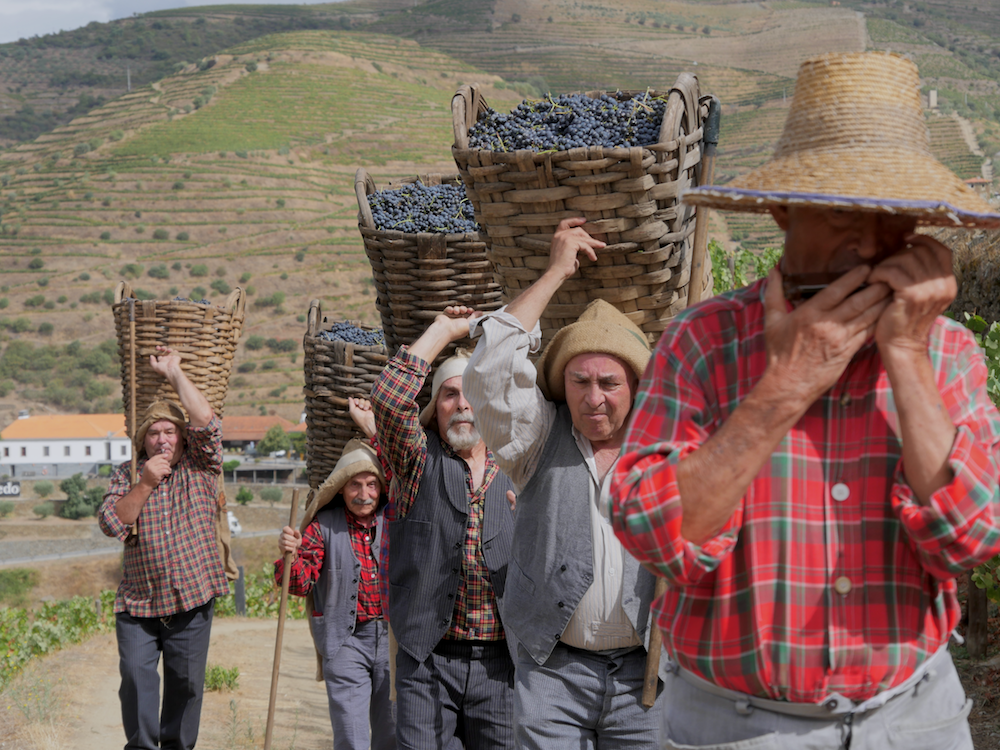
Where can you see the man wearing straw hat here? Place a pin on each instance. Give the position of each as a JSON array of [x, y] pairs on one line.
[[337, 567], [172, 571], [575, 602], [450, 538], [810, 467]]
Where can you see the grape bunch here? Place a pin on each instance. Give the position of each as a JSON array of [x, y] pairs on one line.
[[571, 121], [196, 301], [423, 208], [353, 335]]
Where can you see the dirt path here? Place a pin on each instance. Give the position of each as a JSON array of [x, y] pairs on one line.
[[84, 683]]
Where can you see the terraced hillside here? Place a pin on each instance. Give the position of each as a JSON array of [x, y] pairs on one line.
[[240, 174]]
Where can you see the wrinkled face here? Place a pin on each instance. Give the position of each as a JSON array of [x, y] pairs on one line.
[[164, 437], [599, 393], [361, 494], [830, 240], [455, 421]]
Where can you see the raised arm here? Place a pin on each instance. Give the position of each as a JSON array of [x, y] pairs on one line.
[[168, 364]]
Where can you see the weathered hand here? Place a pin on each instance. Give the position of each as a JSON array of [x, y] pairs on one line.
[[360, 410], [156, 468], [569, 240], [289, 540], [512, 499], [454, 321], [164, 362], [809, 347], [922, 286]]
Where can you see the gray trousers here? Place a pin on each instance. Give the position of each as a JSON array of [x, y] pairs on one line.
[[462, 693], [932, 716], [183, 641], [357, 687], [583, 700]]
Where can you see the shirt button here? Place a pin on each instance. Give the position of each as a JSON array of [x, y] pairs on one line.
[[831, 705], [561, 605], [843, 585], [840, 492]]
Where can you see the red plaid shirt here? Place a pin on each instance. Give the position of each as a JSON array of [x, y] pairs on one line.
[[309, 564], [173, 565], [829, 576], [404, 443]]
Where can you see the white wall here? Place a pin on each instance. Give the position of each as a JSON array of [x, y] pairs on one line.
[[103, 450]]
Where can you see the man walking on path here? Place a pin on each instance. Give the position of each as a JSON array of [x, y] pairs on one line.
[[172, 572], [336, 565], [814, 458], [575, 602], [450, 539]]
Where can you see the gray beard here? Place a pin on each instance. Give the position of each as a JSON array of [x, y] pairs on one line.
[[462, 440]]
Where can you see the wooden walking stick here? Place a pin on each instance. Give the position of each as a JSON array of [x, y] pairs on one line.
[[695, 288], [282, 610], [131, 398]]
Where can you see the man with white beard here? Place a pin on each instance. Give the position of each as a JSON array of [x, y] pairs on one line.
[[450, 524]]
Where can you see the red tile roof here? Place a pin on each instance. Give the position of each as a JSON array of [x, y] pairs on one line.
[[61, 427], [253, 428]]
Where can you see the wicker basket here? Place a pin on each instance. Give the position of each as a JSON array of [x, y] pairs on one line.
[[334, 371], [418, 275], [204, 336], [630, 197]]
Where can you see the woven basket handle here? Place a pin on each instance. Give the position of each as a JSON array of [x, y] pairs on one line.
[[315, 316], [236, 303], [682, 102], [123, 291], [467, 105], [364, 186]]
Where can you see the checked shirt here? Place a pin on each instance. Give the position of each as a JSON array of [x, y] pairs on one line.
[[173, 564], [404, 444], [829, 576]]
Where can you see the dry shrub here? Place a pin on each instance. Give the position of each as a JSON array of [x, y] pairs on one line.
[[977, 268]]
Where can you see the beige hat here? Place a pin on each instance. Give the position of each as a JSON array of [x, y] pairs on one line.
[[358, 457], [600, 329], [158, 411], [450, 368], [855, 138]]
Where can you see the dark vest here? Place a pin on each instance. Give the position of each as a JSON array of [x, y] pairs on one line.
[[426, 550], [336, 592], [552, 559]]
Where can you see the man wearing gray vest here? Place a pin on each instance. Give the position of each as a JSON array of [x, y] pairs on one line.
[[450, 537], [336, 565], [575, 602]]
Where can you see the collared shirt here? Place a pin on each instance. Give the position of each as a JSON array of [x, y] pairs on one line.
[[404, 444], [308, 565], [515, 418], [172, 565], [830, 577]]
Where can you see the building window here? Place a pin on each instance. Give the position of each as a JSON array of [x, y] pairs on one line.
[[6, 452], [86, 450], [24, 451], [123, 450], [45, 450], [66, 450]]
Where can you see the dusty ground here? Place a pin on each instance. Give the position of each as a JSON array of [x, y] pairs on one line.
[[70, 699]]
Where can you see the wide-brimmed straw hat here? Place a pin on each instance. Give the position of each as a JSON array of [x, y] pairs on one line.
[[600, 329], [358, 457], [450, 368], [158, 411], [855, 138]]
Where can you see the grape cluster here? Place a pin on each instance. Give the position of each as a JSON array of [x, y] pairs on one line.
[[196, 301], [353, 335], [571, 121], [423, 208]]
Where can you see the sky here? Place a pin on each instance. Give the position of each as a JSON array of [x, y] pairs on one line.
[[26, 18]]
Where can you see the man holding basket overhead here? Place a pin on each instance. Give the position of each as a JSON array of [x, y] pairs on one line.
[[814, 458]]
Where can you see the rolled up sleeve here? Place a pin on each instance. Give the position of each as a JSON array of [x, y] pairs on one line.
[[204, 446], [107, 514]]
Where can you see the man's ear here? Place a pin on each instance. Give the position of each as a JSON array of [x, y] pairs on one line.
[[780, 215]]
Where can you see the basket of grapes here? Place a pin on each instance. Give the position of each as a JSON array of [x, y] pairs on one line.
[[341, 360], [620, 159], [426, 253]]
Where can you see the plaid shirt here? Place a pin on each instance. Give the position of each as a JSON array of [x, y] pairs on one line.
[[309, 563], [173, 564], [404, 443], [829, 576]]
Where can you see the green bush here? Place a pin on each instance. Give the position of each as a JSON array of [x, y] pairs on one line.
[[85, 276], [132, 270], [220, 286], [198, 270], [159, 271], [108, 296], [104, 470], [198, 292], [269, 365], [244, 278], [81, 501], [44, 488], [20, 325], [6, 508], [161, 234], [105, 236], [251, 67], [46, 329], [275, 439], [219, 678], [230, 465], [35, 263], [4, 302], [35, 301], [16, 584], [255, 343], [181, 237], [178, 185], [271, 494], [247, 367], [244, 495], [280, 202], [43, 510]]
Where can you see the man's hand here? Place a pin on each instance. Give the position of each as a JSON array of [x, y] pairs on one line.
[[289, 540], [446, 328], [155, 470], [922, 287], [809, 347], [512, 500], [165, 362], [360, 410], [569, 240]]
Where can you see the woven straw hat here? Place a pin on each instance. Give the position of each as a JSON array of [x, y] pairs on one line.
[[600, 329], [358, 457], [855, 138], [156, 412], [450, 368]]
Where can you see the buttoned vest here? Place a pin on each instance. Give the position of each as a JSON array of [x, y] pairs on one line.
[[336, 592], [426, 549], [552, 559]]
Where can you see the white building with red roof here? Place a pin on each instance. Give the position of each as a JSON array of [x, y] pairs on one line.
[[52, 446]]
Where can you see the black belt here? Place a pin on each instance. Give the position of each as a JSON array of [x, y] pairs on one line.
[[469, 649]]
